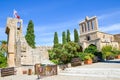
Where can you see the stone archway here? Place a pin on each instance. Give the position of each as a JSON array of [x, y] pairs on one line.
[[91, 49], [92, 45]]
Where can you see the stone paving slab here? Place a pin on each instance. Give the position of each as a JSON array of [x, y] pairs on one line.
[[73, 77], [57, 77]]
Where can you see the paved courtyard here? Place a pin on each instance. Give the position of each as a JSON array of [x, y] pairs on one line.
[[109, 70]]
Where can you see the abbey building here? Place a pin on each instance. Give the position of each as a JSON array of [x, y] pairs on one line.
[[90, 34]]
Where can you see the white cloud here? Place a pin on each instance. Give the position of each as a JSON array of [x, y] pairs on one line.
[[109, 15], [111, 28]]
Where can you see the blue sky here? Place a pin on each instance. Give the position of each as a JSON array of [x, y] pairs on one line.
[[51, 16]]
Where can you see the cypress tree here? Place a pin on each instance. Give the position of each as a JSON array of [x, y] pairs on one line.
[[68, 36], [56, 38], [30, 36], [76, 36], [63, 38]]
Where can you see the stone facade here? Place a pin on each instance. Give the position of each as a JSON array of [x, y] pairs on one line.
[[89, 34], [19, 52], [117, 38]]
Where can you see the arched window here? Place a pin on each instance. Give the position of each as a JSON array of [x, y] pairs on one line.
[[18, 25], [103, 36], [92, 23], [88, 38]]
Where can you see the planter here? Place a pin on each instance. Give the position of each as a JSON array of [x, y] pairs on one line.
[[88, 61], [29, 71], [63, 66], [117, 57], [109, 57], [24, 72]]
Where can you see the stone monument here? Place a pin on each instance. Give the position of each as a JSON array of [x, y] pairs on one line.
[[19, 52]]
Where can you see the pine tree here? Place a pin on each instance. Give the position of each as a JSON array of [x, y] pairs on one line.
[[30, 36], [68, 36], [56, 38], [63, 38], [76, 36]]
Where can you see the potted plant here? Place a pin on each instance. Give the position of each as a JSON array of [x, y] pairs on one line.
[[87, 59], [117, 54]]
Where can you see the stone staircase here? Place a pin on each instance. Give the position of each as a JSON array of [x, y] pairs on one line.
[[92, 72]]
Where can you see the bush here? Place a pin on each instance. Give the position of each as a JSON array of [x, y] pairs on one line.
[[87, 57], [55, 61], [81, 55]]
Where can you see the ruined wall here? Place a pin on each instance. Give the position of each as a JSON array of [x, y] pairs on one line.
[[117, 38]]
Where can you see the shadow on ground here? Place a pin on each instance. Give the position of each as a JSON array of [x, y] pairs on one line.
[[110, 61]]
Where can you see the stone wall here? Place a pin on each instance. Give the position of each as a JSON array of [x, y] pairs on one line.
[[117, 38]]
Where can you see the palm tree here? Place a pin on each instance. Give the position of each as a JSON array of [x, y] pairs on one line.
[[3, 46]]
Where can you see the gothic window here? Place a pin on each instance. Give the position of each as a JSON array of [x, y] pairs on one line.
[[103, 36], [92, 24], [85, 27], [88, 26]]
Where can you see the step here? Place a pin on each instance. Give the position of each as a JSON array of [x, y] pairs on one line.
[[95, 72]]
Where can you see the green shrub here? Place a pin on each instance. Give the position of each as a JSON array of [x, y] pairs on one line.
[[55, 61], [81, 55], [87, 57]]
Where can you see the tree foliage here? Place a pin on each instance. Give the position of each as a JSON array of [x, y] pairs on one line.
[[107, 51], [30, 36], [63, 38], [3, 50], [68, 36], [107, 48], [62, 53], [3, 60], [56, 38], [91, 49], [76, 36]]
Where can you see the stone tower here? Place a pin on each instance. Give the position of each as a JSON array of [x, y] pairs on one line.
[[89, 34], [88, 25], [14, 32]]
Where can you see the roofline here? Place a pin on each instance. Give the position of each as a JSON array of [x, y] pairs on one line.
[[105, 33], [88, 19]]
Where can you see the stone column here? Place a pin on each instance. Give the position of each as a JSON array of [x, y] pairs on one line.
[[11, 48], [80, 28], [96, 24], [86, 26]]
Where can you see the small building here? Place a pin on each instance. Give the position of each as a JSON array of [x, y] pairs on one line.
[[90, 34]]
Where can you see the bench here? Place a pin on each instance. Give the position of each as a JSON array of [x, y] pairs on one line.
[[7, 71], [76, 62]]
